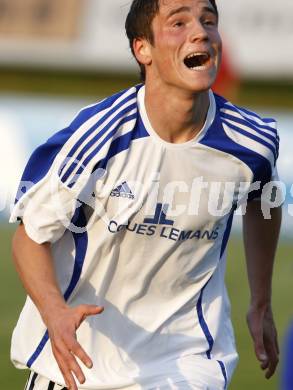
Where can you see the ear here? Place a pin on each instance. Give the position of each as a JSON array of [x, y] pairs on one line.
[[142, 51]]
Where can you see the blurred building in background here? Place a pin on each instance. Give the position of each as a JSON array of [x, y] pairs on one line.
[[24, 21], [89, 34]]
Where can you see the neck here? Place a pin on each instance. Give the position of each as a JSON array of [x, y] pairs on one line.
[[177, 116]]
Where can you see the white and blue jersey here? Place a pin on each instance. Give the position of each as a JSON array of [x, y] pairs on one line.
[[140, 226]]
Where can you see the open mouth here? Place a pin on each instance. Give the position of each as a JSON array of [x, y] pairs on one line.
[[197, 61]]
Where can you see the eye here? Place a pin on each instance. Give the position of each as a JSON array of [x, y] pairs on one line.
[[178, 24], [208, 23]]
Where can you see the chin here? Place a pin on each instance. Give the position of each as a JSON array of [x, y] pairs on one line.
[[199, 86], [200, 82]]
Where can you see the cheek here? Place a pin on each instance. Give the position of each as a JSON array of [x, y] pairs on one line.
[[216, 44], [175, 38], [167, 51], [168, 39], [216, 39]]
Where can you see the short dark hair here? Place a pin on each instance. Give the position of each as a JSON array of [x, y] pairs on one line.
[[139, 23]]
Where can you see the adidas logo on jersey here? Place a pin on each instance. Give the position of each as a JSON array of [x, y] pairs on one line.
[[122, 191]]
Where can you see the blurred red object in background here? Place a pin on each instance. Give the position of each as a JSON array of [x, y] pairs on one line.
[[228, 82]]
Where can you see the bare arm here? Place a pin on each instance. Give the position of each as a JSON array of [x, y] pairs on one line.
[[34, 265], [260, 240]]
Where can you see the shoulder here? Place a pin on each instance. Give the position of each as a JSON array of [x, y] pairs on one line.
[[94, 129], [231, 112], [246, 127], [96, 124], [90, 119], [85, 138], [102, 110]]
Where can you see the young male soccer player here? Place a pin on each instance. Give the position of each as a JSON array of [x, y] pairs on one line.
[[122, 242]]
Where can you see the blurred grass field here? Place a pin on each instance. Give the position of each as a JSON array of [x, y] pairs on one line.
[[252, 93], [247, 376]]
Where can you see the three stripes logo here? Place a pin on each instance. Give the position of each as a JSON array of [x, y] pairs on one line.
[[122, 191]]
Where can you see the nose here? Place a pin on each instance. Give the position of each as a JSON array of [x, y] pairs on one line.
[[198, 32]]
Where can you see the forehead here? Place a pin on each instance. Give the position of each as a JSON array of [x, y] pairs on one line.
[[166, 6]]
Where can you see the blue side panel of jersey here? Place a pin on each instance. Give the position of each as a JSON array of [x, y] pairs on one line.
[[81, 244], [202, 322], [207, 333], [199, 308], [223, 369], [227, 233]]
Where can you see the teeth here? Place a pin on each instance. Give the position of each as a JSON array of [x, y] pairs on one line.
[[198, 68], [196, 55]]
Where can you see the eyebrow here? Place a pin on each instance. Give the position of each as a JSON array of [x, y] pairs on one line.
[[210, 9], [188, 9], [178, 10]]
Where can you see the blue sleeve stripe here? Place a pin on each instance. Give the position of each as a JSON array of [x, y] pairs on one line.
[[42, 159], [272, 140], [81, 244], [118, 145], [249, 113], [86, 135], [90, 157], [123, 143], [269, 133], [217, 138], [78, 159], [104, 130], [253, 137], [93, 109]]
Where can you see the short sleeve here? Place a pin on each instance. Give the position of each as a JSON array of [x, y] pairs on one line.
[[61, 174], [44, 203]]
